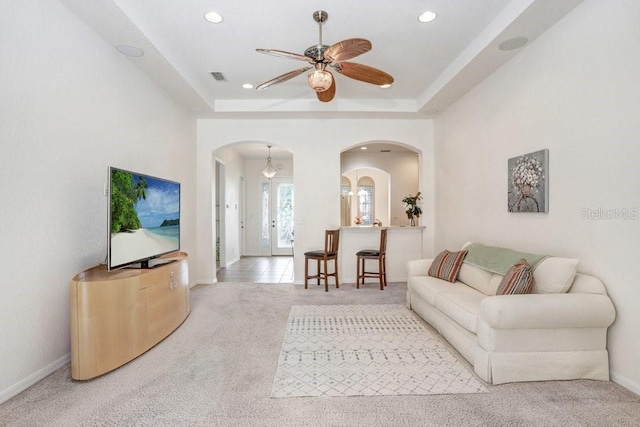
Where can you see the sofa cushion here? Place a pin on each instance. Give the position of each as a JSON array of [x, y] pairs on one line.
[[518, 280], [494, 284], [446, 265], [475, 277], [554, 275], [462, 305], [551, 275], [427, 287]]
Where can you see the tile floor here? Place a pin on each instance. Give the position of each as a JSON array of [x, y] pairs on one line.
[[276, 269]]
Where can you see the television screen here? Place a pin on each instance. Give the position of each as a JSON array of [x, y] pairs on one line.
[[144, 218]]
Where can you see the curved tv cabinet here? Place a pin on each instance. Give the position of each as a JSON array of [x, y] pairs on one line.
[[118, 315]]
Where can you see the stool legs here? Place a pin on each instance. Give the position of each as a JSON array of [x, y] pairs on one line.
[[322, 267], [381, 274], [306, 272]]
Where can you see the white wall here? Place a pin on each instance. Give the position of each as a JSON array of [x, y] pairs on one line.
[[316, 171], [71, 105], [575, 91], [230, 204]]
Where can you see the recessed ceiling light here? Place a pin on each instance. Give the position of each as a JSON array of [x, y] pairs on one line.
[[387, 86], [128, 50], [213, 17], [427, 16], [247, 86], [363, 148]]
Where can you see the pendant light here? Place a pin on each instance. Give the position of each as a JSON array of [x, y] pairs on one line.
[[269, 171]]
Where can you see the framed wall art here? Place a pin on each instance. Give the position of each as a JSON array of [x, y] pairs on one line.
[[528, 182]]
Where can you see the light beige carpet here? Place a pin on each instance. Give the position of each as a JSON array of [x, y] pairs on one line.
[[366, 350], [218, 368]]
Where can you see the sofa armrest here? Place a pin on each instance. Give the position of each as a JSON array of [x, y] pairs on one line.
[[547, 311], [418, 267]]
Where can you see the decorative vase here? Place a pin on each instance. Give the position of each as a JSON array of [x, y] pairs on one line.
[[412, 222]]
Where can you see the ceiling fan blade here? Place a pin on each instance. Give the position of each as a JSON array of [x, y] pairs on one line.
[[328, 94], [284, 54], [347, 49], [282, 78], [364, 73]]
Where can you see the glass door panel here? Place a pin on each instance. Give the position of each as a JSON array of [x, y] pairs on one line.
[[282, 222]]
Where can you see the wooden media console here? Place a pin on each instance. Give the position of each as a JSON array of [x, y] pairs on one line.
[[118, 315]]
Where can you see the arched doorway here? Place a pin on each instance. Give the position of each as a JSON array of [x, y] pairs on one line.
[[253, 213]]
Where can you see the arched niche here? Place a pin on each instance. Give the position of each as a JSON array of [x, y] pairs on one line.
[[395, 171], [366, 179]]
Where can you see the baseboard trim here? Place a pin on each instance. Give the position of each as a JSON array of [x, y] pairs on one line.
[[24, 384], [233, 261], [201, 282], [625, 382]]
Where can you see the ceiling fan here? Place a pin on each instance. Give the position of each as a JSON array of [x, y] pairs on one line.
[[321, 56]]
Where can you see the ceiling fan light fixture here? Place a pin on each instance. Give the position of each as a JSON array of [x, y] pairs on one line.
[[320, 80], [269, 171], [385, 86]]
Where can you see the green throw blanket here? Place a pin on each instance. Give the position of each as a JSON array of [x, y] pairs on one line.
[[498, 260]]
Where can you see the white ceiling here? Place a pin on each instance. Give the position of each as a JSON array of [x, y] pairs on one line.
[[433, 64]]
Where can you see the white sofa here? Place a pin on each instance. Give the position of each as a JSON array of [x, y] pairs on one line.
[[557, 332]]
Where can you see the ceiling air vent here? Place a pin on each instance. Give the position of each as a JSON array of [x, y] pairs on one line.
[[385, 151], [218, 76]]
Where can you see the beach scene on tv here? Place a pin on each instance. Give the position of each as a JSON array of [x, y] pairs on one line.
[[145, 217]]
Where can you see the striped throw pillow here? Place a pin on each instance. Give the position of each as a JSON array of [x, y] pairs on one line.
[[446, 265], [518, 280]]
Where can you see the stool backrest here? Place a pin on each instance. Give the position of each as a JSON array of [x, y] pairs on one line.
[[383, 241], [331, 242]]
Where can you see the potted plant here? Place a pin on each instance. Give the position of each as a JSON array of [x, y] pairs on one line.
[[411, 207]]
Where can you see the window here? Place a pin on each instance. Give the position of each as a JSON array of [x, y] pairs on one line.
[[265, 215], [366, 190]]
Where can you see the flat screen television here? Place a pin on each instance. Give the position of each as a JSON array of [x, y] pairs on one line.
[[144, 219]]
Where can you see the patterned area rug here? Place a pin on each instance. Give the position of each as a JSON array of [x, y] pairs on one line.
[[365, 350]]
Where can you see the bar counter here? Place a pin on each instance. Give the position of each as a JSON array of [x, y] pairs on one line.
[[403, 244]]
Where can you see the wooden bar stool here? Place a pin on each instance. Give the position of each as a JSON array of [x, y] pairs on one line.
[[330, 253], [379, 255]]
